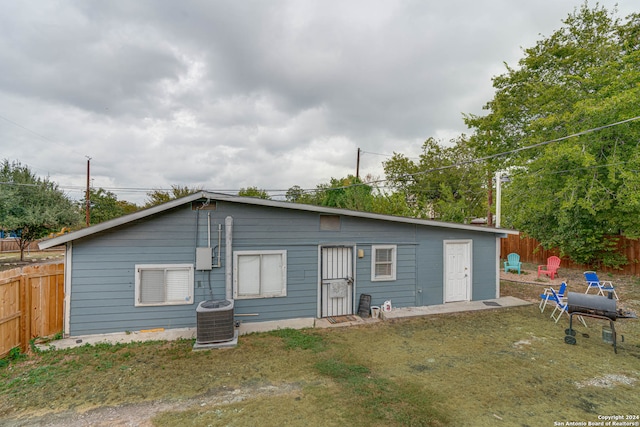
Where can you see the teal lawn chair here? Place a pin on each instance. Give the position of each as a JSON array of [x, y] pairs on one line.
[[512, 263]]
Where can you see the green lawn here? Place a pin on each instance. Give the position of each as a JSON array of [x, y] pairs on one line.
[[497, 367]]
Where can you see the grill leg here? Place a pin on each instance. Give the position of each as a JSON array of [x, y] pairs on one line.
[[613, 329], [571, 322], [570, 333]]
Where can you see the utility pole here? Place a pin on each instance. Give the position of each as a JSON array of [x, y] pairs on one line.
[[88, 216], [358, 165]]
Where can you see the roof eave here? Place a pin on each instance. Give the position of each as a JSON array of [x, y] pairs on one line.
[[116, 222], [60, 240], [361, 214]]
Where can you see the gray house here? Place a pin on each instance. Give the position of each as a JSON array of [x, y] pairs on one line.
[[275, 260]]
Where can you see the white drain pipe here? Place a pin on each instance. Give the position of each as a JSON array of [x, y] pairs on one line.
[[228, 240]]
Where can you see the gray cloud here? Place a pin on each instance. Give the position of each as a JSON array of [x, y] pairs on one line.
[[225, 95]]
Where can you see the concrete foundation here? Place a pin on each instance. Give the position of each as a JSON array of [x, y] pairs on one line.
[[215, 345], [161, 334]]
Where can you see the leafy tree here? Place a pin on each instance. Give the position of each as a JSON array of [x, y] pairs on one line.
[[577, 193], [351, 193], [31, 206], [158, 197], [445, 183], [346, 193], [254, 192], [105, 206], [296, 194], [390, 204]]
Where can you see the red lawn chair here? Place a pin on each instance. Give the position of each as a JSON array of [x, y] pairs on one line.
[[551, 269]]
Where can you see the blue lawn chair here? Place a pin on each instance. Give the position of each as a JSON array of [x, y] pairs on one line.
[[512, 263], [593, 282], [547, 296], [561, 307]]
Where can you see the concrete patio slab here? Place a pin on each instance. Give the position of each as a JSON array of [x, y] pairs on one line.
[[453, 307]]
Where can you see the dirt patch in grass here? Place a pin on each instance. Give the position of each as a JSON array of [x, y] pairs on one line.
[[141, 414], [504, 366]]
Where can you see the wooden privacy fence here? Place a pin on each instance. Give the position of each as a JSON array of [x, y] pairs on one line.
[[31, 306], [526, 248], [11, 245]]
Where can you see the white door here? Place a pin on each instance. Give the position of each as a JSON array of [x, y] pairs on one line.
[[336, 286], [457, 270]]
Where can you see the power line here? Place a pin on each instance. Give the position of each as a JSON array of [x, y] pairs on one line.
[[44, 138], [35, 133], [505, 153], [577, 169], [27, 129], [386, 155], [375, 182], [539, 144], [409, 175]]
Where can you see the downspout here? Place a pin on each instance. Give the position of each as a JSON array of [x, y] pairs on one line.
[[219, 243], [228, 240], [195, 237]]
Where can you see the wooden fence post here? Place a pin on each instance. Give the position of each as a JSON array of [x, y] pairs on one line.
[[24, 313]]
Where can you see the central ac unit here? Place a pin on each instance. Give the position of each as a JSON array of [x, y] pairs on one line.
[[215, 322]]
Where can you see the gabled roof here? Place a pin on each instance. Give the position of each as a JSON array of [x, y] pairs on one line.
[[107, 225]]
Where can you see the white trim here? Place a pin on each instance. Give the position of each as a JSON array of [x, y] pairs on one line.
[[470, 268], [68, 257], [283, 288], [319, 285], [189, 298], [354, 267], [394, 263], [498, 269]]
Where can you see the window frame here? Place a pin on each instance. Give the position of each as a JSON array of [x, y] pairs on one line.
[[393, 263], [236, 277], [190, 285]]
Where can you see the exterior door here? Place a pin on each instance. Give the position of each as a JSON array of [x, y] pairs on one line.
[[336, 285], [457, 270]]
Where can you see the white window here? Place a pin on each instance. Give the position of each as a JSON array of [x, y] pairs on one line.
[[259, 274], [164, 284], [383, 262]]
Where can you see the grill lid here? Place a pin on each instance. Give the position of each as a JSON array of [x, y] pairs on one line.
[[592, 304]]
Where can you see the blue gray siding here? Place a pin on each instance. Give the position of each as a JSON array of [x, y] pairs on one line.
[[103, 265]]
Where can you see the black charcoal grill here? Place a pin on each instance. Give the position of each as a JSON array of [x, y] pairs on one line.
[[595, 306]]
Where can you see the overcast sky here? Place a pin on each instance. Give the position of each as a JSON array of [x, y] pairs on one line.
[[226, 95]]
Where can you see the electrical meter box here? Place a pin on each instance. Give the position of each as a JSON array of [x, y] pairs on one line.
[[204, 258]]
